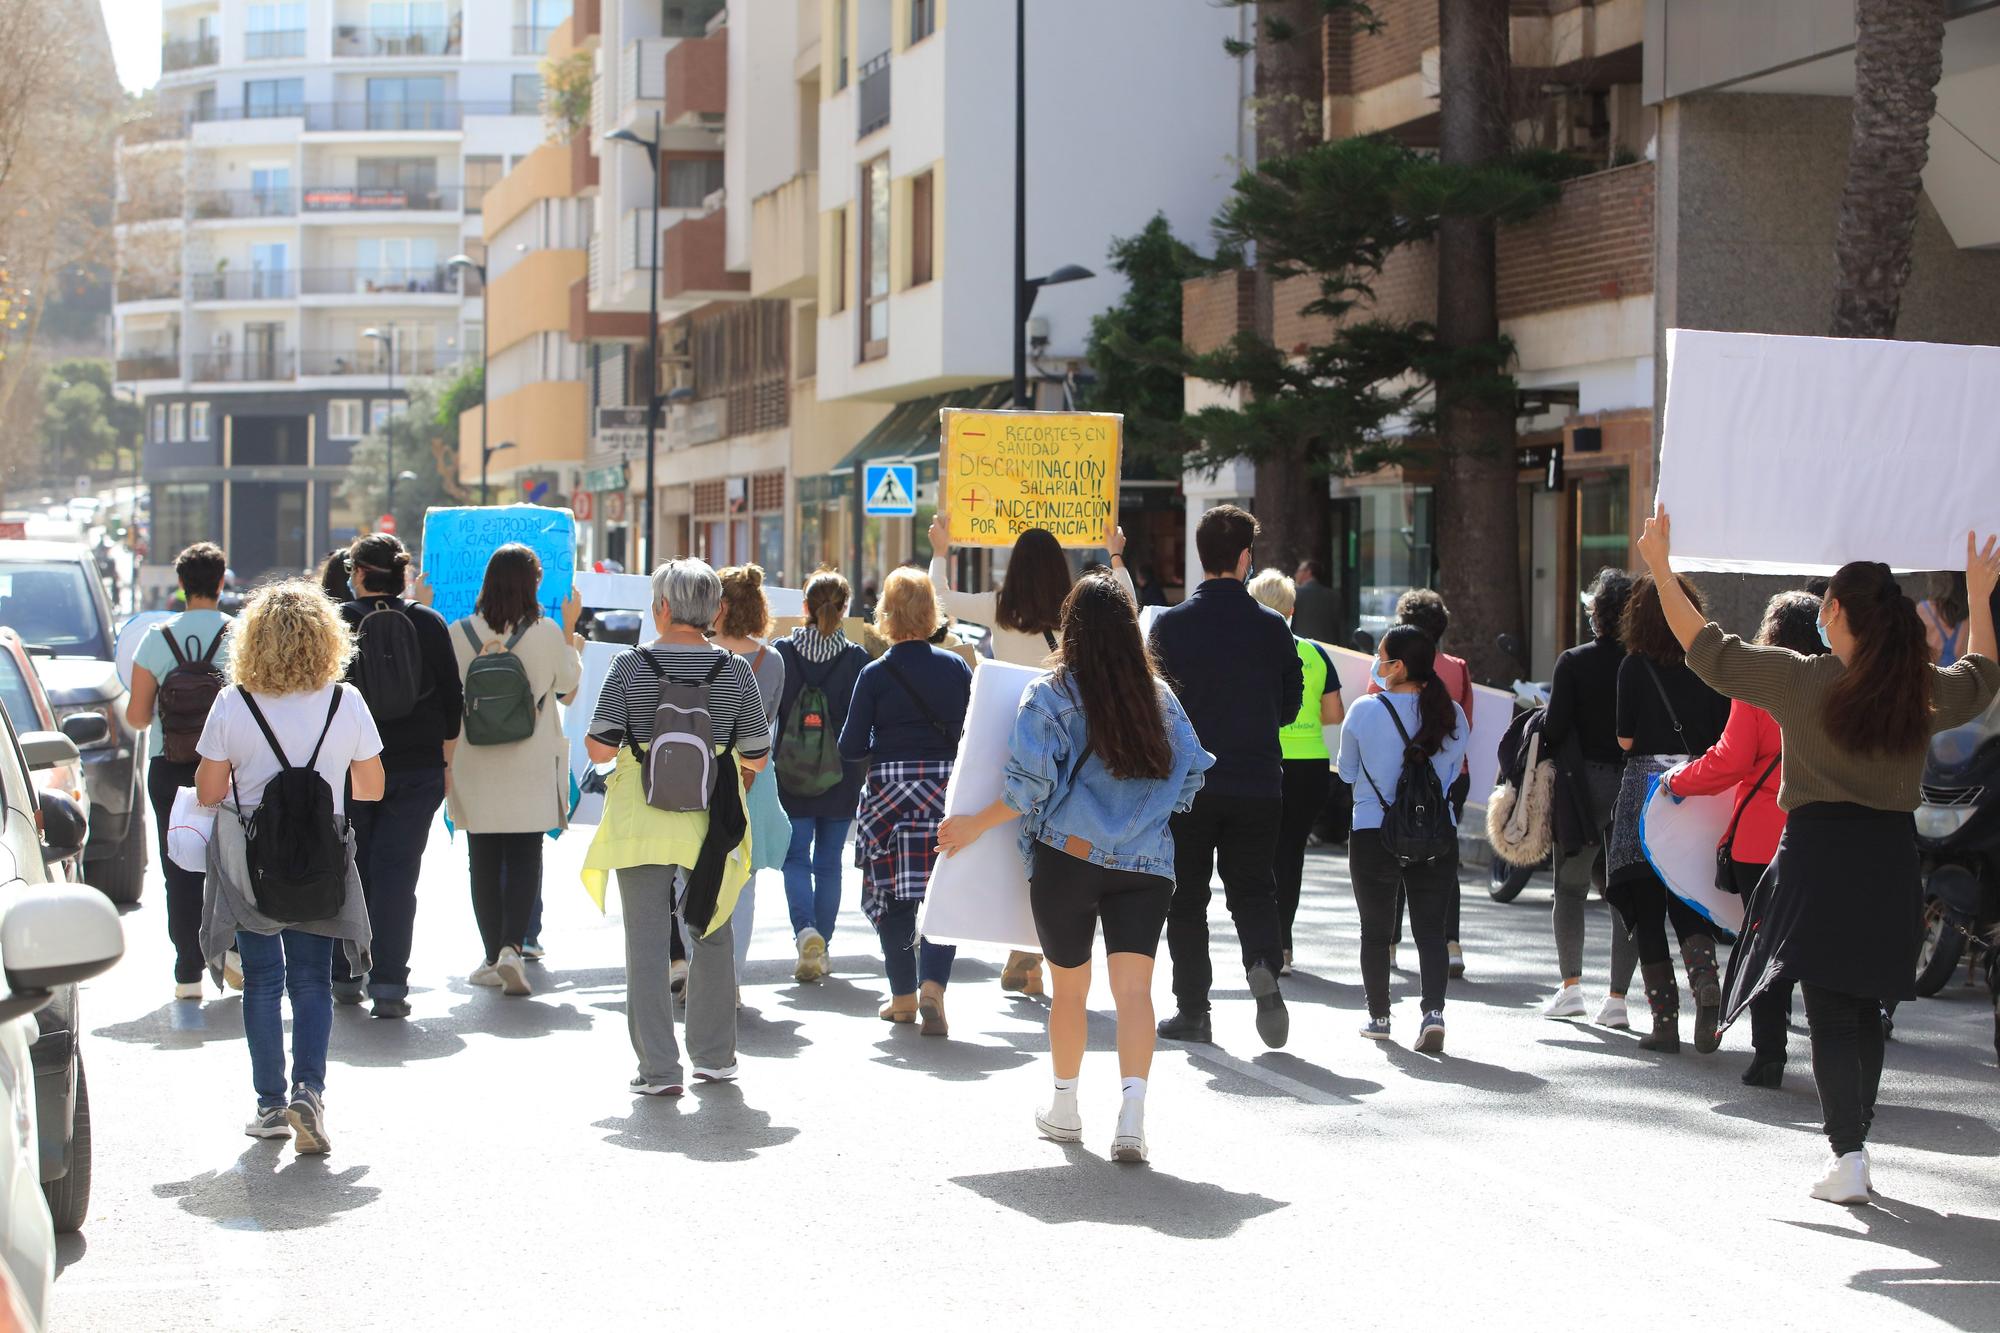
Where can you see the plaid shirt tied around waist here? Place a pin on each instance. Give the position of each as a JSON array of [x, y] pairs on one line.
[[895, 842]]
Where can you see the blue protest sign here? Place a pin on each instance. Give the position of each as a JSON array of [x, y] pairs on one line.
[[889, 489], [459, 542]]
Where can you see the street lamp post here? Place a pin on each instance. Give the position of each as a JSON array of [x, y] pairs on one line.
[[462, 262], [1026, 289], [389, 424], [652, 339]]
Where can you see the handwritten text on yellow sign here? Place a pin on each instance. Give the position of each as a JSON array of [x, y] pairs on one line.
[[1005, 472]]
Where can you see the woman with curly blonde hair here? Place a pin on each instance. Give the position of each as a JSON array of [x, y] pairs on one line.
[[286, 709]]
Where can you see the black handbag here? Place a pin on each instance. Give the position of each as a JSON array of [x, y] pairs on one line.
[[1725, 851]]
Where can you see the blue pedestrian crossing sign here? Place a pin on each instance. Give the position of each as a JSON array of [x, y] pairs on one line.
[[889, 490]]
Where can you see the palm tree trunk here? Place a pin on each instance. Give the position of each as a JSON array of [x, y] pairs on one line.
[[1290, 502], [1478, 524], [1898, 56]]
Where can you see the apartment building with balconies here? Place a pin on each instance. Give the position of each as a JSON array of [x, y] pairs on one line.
[[311, 168]]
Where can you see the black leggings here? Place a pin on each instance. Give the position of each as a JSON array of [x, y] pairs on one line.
[[1306, 784], [1847, 1062], [1647, 908], [1429, 888], [506, 880]]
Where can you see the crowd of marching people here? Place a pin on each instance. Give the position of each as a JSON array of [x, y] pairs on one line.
[[327, 725]]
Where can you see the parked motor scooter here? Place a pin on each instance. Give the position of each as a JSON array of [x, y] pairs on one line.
[[1958, 833]]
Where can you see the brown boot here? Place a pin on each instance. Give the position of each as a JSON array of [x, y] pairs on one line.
[[1663, 993], [900, 1009], [1023, 974], [930, 1010], [1705, 980]]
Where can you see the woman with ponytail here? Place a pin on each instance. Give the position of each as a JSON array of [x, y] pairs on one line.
[[1839, 910], [1413, 710], [820, 666]]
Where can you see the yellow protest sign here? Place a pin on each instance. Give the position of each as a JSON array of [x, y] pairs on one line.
[[1001, 473]]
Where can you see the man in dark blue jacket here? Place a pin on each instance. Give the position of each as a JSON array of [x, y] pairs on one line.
[[1233, 664]]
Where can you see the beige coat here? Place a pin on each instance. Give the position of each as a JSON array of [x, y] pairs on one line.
[[522, 787]]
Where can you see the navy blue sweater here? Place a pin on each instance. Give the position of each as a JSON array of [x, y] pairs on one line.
[[1233, 663], [885, 723]]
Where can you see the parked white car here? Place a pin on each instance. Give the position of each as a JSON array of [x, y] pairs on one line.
[[53, 934]]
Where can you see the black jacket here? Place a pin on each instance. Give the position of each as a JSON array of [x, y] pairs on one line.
[[1235, 667], [417, 741]]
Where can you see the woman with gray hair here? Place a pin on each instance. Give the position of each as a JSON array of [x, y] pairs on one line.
[[663, 852]]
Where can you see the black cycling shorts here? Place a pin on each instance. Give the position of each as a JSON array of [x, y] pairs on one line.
[[1070, 896]]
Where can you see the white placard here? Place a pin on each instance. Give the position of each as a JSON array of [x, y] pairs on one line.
[[130, 635], [980, 895], [1793, 455], [576, 721], [1680, 838], [634, 592]]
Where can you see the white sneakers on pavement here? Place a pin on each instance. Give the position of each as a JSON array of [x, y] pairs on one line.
[[1567, 1002], [484, 975], [725, 1074], [308, 1118], [1129, 1143], [187, 990], [1845, 1181], [812, 956], [270, 1122], [645, 1087], [513, 972], [1613, 1014]]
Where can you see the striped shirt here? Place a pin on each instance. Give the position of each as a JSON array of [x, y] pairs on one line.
[[815, 647], [631, 696]]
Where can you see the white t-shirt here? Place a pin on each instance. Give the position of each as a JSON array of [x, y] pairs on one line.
[[233, 736]]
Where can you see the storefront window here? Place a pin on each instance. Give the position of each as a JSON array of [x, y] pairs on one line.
[[771, 549], [1603, 535], [1394, 550], [183, 514]]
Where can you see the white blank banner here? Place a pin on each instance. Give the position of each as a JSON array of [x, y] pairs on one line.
[[1792, 455]]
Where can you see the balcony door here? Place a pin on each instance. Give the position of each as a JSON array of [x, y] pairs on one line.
[[263, 351], [397, 182], [396, 264], [269, 279], [407, 104], [271, 191]]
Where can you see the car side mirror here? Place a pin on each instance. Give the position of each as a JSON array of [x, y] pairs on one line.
[[65, 826], [55, 935], [47, 749], [86, 728]]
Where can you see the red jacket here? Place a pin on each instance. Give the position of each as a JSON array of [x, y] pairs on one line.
[[1748, 745]]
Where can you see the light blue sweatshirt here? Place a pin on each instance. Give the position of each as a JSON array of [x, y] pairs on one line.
[[1369, 738]]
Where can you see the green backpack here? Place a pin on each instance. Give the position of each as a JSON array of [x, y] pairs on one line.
[[500, 705], [808, 753]]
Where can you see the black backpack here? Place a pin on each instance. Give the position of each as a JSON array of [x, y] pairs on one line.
[[185, 697], [1417, 827], [293, 842], [389, 668]]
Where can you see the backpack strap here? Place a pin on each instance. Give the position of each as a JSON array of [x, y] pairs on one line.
[[515, 638], [1728, 844], [180, 658], [1672, 716], [257, 714], [471, 636], [208, 658], [1049, 635], [331, 708]]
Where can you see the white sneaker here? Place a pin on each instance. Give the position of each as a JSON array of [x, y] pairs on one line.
[[1565, 1003], [1867, 1171], [725, 1074], [1846, 1180], [1063, 1123], [1129, 1143], [646, 1088], [513, 972], [812, 956], [1613, 1014], [270, 1122], [232, 969], [187, 990], [484, 975]]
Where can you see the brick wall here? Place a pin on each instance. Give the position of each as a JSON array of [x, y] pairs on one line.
[[1409, 27], [1215, 307], [1596, 245]]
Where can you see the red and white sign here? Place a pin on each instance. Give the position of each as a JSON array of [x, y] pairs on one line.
[[386, 523], [584, 506], [614, 506]]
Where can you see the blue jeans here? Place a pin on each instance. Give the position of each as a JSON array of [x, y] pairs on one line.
[[906, 963], [301, 965], [812, 874], [389, 840]]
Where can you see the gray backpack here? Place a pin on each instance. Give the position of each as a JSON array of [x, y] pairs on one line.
[[500, 705], [680, 762]]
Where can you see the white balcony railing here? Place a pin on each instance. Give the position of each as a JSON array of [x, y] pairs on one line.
[[642, 73]]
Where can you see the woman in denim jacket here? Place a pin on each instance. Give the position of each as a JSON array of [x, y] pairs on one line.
[[1101, 756]]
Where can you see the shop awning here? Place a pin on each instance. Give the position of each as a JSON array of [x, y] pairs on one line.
[[910, 431]]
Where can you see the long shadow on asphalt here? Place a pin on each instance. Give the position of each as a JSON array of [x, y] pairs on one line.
[[270, 1189], [1905, 1126], [717, 1125], [1089, 1189], [1963, 1252], [181, 1025], [1226, 1078], [946, 1058], [378, 1043], [1450, 1068]]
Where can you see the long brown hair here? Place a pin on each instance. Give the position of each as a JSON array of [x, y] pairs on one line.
[[1031, 594], [1645, 630], [1104, 661], [1417, 651], [1882, 703], [508, 597], [827, 596]]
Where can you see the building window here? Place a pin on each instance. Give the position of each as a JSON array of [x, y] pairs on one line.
[[690, 180], [923, 19], [527, 94], [378, 413], [343, 419], [840, 44], [274, 32], [840, 260], [874, 284], [159, 422], [177, 422], [481, 175], [922, 238], [198, 421], [266, 98], [181, 516]]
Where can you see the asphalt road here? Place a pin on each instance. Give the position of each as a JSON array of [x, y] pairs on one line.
[[490, 1169]]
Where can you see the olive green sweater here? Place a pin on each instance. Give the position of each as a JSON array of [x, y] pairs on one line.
[[1793, 690]]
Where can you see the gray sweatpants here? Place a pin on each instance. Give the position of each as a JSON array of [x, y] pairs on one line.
[[647, 896], [1574, 878]]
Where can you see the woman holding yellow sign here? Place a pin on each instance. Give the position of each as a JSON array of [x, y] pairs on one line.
[[1022, 616]]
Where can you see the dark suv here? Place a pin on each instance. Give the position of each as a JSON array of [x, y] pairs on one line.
[[51, 595]]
